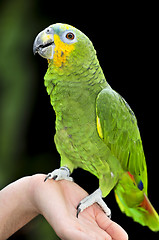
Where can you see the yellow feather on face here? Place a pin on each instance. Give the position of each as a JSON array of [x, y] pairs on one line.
[[62, 51]]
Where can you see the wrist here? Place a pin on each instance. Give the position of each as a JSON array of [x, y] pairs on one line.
[[17, 205], [35, 190]]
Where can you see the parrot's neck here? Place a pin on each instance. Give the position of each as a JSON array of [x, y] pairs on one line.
[[73, 93]]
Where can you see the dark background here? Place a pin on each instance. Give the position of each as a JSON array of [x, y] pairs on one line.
[[125, 39]]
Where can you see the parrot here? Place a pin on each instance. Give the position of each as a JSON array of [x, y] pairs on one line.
[[96, 129]]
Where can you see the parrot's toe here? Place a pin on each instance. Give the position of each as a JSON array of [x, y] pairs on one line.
[[59, 174], [95, 197]]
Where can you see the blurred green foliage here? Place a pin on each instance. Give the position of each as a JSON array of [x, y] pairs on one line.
[[20, 154]]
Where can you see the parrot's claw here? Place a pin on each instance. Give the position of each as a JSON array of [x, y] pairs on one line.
[[95, 197], [59, 174]]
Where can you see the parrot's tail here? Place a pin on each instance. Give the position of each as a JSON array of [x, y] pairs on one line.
[[134, 203]]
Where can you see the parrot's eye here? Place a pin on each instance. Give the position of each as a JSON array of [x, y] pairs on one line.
[[70, 36]]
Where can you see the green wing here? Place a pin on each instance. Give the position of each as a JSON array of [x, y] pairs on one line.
[[117, 126]]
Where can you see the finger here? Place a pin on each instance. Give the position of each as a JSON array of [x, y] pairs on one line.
[[112, 228], [89, 226]]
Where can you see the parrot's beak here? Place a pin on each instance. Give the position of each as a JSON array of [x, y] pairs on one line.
[[44, 45]]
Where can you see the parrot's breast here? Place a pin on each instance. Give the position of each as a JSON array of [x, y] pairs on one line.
[[76, 137]]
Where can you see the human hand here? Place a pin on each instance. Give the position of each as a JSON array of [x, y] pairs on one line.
[[57, 202]]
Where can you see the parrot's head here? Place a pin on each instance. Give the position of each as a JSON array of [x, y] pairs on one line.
[[63, 45]]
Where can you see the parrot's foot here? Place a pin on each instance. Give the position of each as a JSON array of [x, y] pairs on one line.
[[95, 197], [60, 174]]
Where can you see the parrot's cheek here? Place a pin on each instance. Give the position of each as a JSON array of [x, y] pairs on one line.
[[47, 52]]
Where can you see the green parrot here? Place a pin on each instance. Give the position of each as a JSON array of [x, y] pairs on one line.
[[96, 129]]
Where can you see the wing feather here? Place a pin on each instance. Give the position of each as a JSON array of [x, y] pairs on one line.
[[120, 132]]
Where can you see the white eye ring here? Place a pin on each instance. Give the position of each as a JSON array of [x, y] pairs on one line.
[[69, 37]]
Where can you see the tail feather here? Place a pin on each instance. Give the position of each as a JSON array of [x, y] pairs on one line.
[[134, 203]]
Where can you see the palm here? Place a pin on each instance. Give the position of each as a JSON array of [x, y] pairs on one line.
[[91, 224]]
